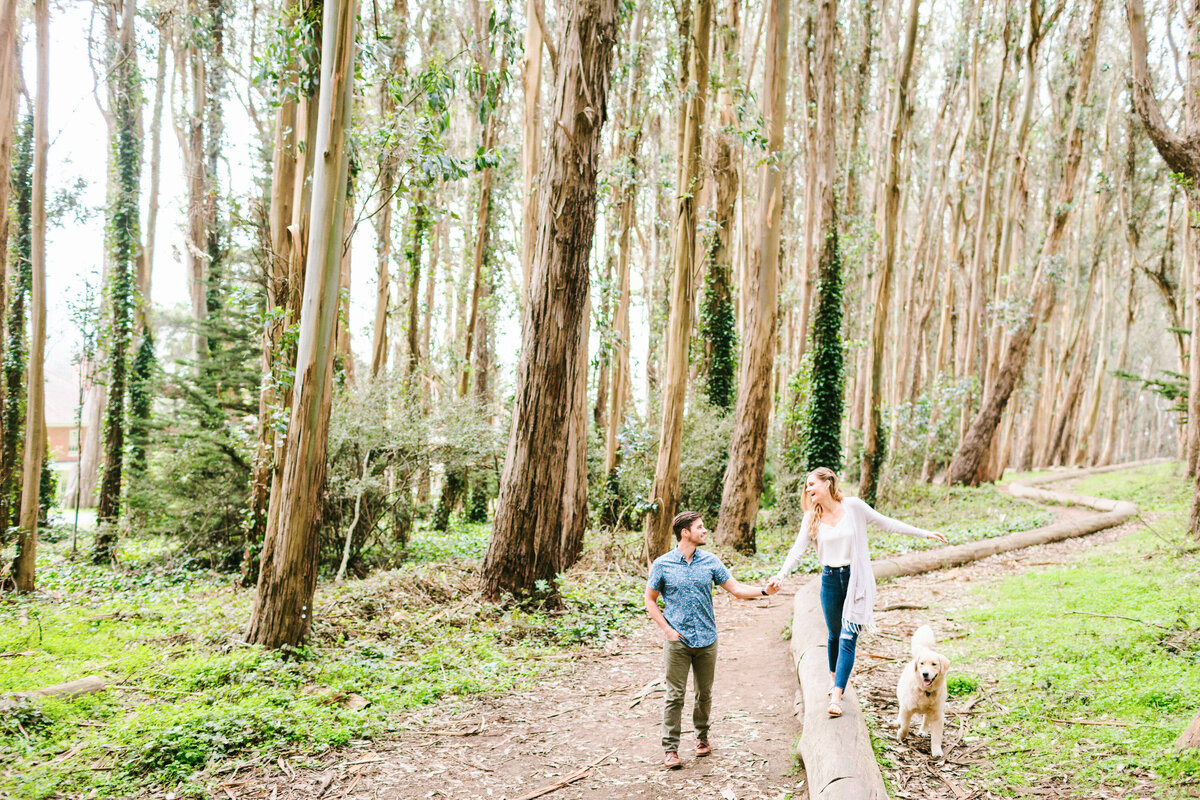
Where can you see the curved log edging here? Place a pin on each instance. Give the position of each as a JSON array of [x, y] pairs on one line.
[[838, 758]]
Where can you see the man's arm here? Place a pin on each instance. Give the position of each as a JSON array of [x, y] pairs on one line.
[[656, 614], [744, 592]]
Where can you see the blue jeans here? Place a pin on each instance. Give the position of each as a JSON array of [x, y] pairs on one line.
[[835, 583]]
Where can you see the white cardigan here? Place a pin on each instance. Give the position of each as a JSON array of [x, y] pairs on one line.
[[857, 613]]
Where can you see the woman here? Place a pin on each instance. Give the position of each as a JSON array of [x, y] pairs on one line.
[[837, 526]]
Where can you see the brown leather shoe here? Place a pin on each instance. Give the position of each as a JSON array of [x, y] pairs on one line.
[[703, 748], [672, 761]]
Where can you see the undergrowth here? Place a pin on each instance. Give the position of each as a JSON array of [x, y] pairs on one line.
[[186, 696], [1097, 663]]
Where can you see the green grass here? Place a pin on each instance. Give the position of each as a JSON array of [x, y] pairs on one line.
[[199, 699], [1051, 658]]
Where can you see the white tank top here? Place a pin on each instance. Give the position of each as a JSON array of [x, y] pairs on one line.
[[835, 542]]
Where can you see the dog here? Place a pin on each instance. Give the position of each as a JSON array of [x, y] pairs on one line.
[[922, 689]]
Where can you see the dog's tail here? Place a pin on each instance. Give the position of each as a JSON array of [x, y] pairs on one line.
[[923, 639]]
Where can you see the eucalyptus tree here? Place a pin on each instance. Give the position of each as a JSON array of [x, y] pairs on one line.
[[282, 613], [1180, 149], [822, 417], [16, 316], [9, 78], [664, 493], [525, 551], [901, 113], [124, 241], [748, 449], [35, 405], [969, 458]]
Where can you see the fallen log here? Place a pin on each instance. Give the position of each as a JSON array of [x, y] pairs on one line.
[[69, 690], [921, 561], [839, 763]]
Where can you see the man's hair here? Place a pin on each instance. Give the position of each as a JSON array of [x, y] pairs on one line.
[[683, 520]]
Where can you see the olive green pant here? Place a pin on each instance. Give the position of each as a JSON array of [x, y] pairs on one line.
[[702, 662]]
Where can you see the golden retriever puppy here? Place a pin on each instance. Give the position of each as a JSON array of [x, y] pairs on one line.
[[922, 689]]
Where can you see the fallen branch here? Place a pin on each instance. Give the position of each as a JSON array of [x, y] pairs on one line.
[[148, 689], [69, 690], [645, 691], [1118, 616], [901, 606], [1090, 722], [566, 780]]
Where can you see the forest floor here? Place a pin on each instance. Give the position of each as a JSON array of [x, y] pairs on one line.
[[413, 688], [598, 714], [593, 729]]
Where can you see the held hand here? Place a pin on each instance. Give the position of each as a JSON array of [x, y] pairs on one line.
[[774, 585], [941, 537], [671, 635]]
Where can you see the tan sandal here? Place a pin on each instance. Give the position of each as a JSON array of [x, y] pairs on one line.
[[835, 708]]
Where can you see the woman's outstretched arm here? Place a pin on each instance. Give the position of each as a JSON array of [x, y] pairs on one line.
[[884, 522]]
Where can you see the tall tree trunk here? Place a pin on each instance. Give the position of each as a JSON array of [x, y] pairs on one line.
[[665, 491], [717, 319], [146, 262], [827, 391], [288, 217], [575, 486], [526, 542], [282, 613], [190, 65], [1114, 395], [124, 240], [12, 424], [420, 228], [344, 358], [9, 78], [531, 139], [872, 459], [387, 185], [35, 403], [965, 466], [483, 215], [630, 138], [748, 448]]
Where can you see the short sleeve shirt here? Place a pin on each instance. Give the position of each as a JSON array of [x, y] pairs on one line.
[[687, 592]]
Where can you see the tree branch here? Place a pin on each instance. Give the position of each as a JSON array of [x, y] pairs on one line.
[[1173, 148]]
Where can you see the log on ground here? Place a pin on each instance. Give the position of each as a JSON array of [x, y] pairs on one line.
[[838, 760], [69, 690]]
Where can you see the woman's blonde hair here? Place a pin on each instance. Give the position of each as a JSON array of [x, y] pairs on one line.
[[810, 507]]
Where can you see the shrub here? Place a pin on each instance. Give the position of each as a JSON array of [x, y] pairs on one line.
[[625, 497], [380, 441], [958, 685], [928, 426]]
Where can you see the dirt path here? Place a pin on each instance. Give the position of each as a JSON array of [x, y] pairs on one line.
[[517, 743], [603, 708]]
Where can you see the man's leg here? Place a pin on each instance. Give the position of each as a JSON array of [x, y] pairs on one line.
[[704, 667], [677, 661]]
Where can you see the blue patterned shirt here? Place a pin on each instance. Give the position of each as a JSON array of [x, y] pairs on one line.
[[687, 591]]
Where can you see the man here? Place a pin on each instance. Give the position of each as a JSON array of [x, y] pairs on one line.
[[684, 578]]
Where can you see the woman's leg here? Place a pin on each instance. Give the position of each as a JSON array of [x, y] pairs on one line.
[[847, 642], [833, 596]]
